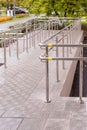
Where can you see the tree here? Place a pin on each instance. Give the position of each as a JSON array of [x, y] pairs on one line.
[[58, 7], [49, 7], [84, 6]]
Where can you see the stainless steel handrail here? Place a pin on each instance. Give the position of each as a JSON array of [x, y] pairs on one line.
[[45, 57]]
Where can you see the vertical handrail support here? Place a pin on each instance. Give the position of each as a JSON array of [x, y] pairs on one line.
[[47, 78]]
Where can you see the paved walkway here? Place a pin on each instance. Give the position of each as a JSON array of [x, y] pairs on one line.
[[22, 96]]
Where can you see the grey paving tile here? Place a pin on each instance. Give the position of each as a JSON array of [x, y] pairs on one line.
[[54, 106], [74, 106], [30, 109], [78, 122], [80, 115], [9, 123], [25, 113], [32, 124], [78, 128], [2, 112], [56, 124], [60, 115]]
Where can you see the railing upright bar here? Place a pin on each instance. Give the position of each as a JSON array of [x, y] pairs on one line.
[[63, 49], [5, 56], [30, 37], [67, 43], [37, 35], [26, 38], [57, 62], [9, 40], [17, 46], [46, 29], [70, 38], [24, 43], [40, 33], [47, 78], [43, 30], [52, 27], [57, 25], [81, 78], [49, 28], [34, 36]]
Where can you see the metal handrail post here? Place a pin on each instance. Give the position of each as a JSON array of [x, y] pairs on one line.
[[57, 62], [9, 40], [40, 33], [34, 36], [47, 78], [24, 44], [30, 35], [17, 47], [81, 78], [67, 43], [57, 25], [5, 58], [52, 27], [49, 29], [70, 38], [63, 49], [37, 35], [54, 24], [26, 38], [43, 31], [73, 33]]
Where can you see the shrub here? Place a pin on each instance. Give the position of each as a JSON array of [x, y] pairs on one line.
[[3, 19], [21, 15]]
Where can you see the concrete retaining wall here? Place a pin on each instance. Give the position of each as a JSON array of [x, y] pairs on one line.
[[71, 71]]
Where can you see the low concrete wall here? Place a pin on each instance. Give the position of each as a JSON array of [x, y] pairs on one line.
[[70, 75]]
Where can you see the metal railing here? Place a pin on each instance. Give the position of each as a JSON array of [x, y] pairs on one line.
[[31, 33], [71, 33], [25, 36], [22, 37]]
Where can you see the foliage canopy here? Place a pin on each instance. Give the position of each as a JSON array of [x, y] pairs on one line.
[[51, 7]]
